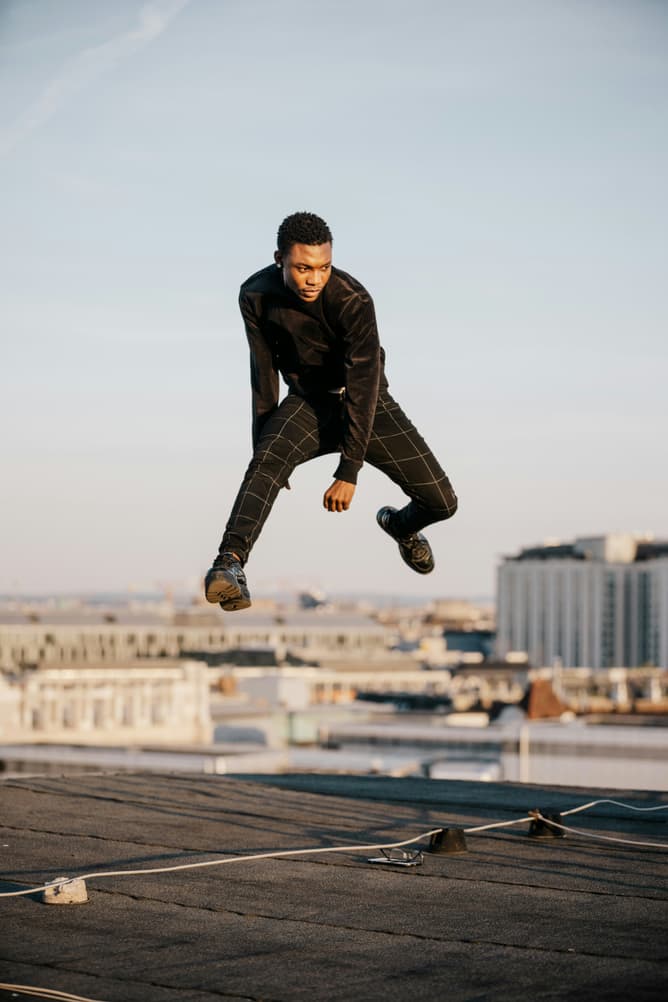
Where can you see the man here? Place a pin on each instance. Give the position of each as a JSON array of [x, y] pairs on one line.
[[315, 325]]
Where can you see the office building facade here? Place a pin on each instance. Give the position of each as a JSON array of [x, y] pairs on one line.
[[598, 602]]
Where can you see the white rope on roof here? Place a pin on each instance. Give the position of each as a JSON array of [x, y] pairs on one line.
[[498, 824], [275, 854], [617, 803], [46, 993], [605, 838], [282, 853]]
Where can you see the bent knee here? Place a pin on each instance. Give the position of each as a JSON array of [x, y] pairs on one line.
[[446, 507]]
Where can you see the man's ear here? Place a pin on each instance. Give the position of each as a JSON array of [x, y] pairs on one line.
[[278, 258]]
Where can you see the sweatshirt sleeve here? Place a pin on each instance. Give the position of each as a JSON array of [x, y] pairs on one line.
[[264, 375], [362, 360]]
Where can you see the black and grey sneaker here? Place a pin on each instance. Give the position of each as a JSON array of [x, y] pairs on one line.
[[414, 548], [226, 583]]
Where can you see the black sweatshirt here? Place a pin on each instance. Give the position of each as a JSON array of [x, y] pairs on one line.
[[316, 347]]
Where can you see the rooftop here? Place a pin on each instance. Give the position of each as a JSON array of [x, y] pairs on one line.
[[514, 917], [615, 547], [250, 619]]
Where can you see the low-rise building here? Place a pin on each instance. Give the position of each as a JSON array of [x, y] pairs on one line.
[[84, 638], [163, 703]]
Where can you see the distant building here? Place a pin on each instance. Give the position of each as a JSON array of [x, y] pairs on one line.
[[164, 702], [470, 641], [52, 639], [460, 615], [599, 602]]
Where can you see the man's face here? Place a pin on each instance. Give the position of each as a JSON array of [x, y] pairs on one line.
[[306, 269]]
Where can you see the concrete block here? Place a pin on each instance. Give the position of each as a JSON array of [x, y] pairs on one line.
[[73, 892]]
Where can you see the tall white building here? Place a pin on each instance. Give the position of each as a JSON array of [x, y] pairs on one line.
[[598, 602]]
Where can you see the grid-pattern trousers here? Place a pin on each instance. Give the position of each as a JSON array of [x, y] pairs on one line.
[[302, 429]]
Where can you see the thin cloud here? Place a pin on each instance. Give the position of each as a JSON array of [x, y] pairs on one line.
[[88, 65]]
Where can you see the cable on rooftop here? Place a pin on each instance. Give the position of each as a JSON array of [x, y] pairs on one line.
[[497, 824], [605, 838], [221, 862], [277, 854], [617, 803], [46, 993]]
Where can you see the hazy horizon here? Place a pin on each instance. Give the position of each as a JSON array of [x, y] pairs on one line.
[[128, 597]]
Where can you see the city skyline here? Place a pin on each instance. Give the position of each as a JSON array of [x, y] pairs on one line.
[[494, 177]]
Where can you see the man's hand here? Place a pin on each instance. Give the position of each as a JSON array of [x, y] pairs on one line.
[[339, 496]]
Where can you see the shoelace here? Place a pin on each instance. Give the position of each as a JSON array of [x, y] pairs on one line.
[[419, 550]]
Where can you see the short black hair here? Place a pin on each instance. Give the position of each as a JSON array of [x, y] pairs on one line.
[[302, 228]]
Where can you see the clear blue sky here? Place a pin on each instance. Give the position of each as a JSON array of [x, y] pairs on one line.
[[494, 173]]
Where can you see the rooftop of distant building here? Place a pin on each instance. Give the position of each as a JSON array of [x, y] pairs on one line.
[[615, 547]]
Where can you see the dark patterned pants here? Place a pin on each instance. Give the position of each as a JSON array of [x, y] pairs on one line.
[[301, 429]]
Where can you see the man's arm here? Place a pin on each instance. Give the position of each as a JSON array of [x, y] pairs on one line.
[[363, 366], [264, 376]]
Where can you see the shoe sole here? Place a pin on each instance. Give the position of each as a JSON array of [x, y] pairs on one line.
[[227, 594], [235, 604], [221, 590], [414, 567]]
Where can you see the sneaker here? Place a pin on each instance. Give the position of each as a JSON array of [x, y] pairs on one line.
[[226, 583], [414, 548]]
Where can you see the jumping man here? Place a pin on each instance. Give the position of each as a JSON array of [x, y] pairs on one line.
[[315, 325]]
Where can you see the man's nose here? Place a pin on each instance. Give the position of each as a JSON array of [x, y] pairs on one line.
[[311, 279]]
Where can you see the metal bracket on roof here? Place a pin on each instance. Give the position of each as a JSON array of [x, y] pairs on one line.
[[399, 857], [447, 840], [541, 827]]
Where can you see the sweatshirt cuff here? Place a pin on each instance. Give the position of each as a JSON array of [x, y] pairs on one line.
[[347, 470]]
